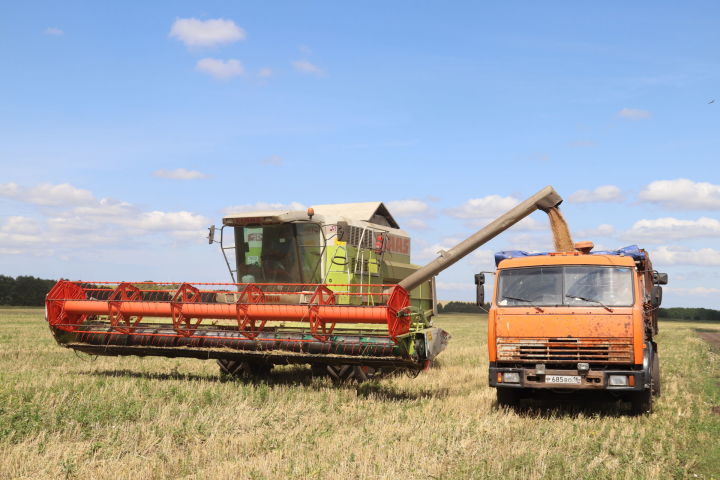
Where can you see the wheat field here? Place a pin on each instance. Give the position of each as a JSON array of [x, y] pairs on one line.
[[64, 415]]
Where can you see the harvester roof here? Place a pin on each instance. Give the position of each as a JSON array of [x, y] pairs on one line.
[[371, 212]]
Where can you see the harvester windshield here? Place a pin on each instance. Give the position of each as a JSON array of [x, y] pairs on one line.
[[565, 285], [280, 253]]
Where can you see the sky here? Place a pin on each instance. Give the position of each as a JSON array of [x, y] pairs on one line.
[[126, 128]]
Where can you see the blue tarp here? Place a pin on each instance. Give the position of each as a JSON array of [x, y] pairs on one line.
[[629, 251]]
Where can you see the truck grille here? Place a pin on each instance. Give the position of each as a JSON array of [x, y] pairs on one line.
[[560, 350]]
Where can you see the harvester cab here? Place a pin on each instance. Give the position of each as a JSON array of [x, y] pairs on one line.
[[332, 287]]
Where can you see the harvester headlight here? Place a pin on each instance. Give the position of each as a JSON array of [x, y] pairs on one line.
[[511, 377], [618, 380]]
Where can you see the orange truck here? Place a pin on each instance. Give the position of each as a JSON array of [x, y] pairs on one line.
[[572, 321]]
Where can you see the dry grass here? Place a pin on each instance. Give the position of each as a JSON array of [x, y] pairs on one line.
[[64, 416]]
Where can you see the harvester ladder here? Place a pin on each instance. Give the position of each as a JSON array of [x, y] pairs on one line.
[[223, 249]]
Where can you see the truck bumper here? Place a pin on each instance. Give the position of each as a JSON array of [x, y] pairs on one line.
[[531, 377]]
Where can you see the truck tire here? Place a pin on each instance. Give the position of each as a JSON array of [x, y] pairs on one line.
[[655, 375], [641, 402], [508, 397]]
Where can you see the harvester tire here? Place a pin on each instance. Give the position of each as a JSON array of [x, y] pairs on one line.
[[508, 397], [344, 373], [319, 369], [655, 375], [236, 368]]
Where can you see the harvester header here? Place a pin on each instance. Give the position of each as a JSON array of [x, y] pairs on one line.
[[332, 286]]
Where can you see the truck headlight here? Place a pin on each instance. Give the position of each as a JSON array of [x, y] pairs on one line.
[[511, 377], [618, 380]]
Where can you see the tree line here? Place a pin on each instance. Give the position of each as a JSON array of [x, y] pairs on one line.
[[29, 291], [24, 291]]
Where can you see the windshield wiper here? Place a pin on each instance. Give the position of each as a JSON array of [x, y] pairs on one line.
[[585, 299], [525, 300]]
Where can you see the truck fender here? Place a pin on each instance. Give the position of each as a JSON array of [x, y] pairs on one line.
[[650, 350]]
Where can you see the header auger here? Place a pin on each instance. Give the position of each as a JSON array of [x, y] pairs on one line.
[[332, 287]]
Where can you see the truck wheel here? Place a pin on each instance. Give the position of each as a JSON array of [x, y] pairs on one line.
[[508, 397], [655, 375], [641, 402]]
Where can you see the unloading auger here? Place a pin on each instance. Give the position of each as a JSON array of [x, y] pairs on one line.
[[332, 287]]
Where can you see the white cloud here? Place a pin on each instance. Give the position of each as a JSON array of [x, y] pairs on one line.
[[167, 221], [47, 194], [633, 114], [427, 252], [415, 224], [603, 230], [263, 206], [491, 206], [54, 31], [304, 66], [72, 220], [451, 287], [530, 242], [274, 160], [478, 212], [693, 291], [265, 72], [407, 208], [682, 193], [604, 193], [668, 228], [19, 224], [671, 255], [206, 33], [483, 258], [179, 174], [220, 69]]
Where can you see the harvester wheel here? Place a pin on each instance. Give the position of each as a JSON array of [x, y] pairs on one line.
[[655, 375], [508, 397], [343, 373], [319, 369], [236, 368]]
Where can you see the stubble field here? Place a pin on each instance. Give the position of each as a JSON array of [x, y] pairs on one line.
[[72, 416]]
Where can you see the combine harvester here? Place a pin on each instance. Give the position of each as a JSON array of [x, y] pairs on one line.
[[332, 287]]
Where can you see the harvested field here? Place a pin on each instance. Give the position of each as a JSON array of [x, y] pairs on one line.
[[710, 336], [68, 416]]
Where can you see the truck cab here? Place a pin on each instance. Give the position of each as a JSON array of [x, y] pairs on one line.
[[575, 321]]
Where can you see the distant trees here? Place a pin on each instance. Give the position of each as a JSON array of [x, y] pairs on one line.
[[24, 291], [461, 307], [689, 314]]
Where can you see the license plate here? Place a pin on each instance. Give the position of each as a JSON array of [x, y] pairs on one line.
[[571, 379]]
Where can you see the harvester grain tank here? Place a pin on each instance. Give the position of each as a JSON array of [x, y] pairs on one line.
[[573, 321], [332, 287]]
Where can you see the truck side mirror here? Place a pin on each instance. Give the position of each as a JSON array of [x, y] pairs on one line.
[[660, 278], [656, 296], [211, 234], [480, 289]]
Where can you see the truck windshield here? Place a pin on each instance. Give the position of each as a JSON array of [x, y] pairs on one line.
[[283, 253], [565, 285]]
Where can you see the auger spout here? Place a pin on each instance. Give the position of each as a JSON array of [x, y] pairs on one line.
[[545, 199]]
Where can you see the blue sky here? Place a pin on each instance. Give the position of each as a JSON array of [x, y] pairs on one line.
[[127, 128]]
